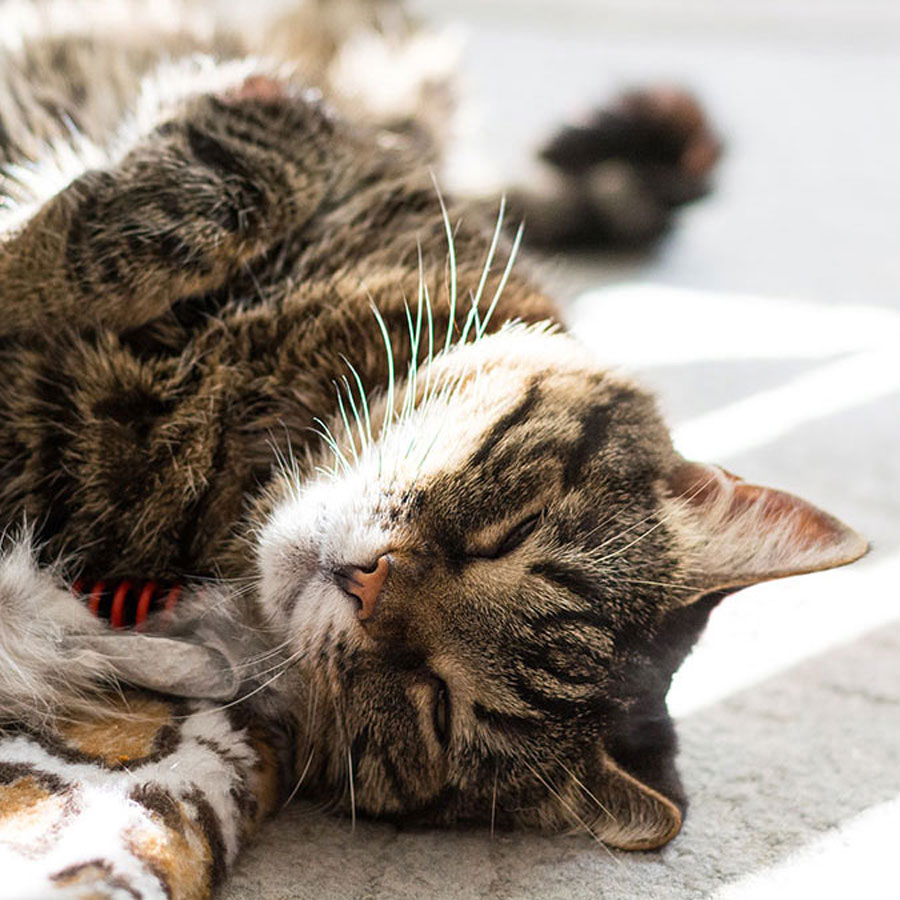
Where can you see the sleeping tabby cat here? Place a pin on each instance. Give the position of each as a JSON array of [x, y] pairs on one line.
[[245, 345]]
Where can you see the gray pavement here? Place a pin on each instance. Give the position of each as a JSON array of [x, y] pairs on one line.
[[789, 710]]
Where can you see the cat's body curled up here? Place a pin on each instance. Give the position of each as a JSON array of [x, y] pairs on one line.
[[246, 346]]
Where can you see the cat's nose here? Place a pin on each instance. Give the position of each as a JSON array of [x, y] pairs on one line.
[[364, 584]]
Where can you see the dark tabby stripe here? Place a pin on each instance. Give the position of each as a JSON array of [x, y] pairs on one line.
[[594, 428], [578, 582], [360, 743], [54, 491], [398, 782], [579, 618], [160, 803], [212, 831], [12, 772], [552, 705], [212, 153], [78, 239], [172, 249], [92, 871], [501, 426], [507, 723], [553, 660]]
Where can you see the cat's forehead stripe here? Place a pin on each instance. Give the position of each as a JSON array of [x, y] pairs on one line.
[[594, 430], [500, 428]]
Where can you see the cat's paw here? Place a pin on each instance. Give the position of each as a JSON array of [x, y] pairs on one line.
[[625, 168], [653, 127]]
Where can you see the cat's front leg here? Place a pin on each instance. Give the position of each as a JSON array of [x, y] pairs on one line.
[[218, 181], [152, 798], [120, 792]]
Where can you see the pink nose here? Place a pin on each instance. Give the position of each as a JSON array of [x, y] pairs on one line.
[[364, 585]]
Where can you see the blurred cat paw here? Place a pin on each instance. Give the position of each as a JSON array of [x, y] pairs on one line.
[[622, 170], [664, 126]]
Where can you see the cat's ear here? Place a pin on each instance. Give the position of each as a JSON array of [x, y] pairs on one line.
[[743, 533], [634, 816]]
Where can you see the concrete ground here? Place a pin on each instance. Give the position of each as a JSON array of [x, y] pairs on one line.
[[769, 323]]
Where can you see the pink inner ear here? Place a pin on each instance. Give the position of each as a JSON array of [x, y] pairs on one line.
[[698, 483], [257, 87], [810, 526], [750, 533]]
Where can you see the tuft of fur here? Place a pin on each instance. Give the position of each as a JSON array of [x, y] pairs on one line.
[[43, 677], [58, 660]]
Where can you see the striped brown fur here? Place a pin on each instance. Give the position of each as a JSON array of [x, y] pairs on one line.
[[177, 322]]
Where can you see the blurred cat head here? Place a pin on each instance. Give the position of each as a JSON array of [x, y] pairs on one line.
[[492, 581]]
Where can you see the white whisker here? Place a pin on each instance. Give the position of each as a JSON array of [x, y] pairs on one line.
[[352, 790]]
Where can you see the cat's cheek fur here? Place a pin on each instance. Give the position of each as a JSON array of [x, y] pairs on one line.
[[322, 617], [288, 557]]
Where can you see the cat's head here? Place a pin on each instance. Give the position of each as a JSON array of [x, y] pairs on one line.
[[489, 595]]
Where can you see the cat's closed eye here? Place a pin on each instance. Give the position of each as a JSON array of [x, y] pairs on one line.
[[440, 711], [514, 538]]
